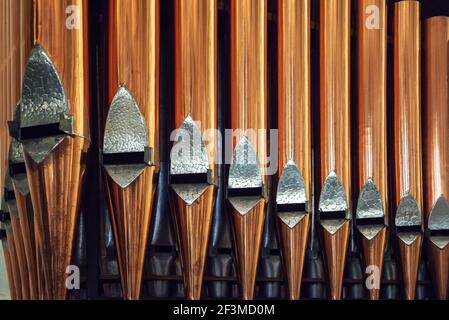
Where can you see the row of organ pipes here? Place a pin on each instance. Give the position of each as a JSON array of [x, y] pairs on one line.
[[48, 116]]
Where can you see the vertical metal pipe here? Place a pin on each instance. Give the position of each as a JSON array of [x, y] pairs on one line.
[[335, 167], [436, 149], [55, 132], [407, 139], [372, 207], [247, 180], [132, 127], [196, 114], [294, 137]]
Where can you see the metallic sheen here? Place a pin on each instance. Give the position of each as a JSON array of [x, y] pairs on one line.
[[125, 131], [333, 196]]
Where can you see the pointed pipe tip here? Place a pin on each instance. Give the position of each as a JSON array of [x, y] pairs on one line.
[[410, 258], [373, 253], [439, 261], [335, 247]]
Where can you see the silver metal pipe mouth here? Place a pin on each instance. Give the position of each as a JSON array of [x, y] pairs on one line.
[[333, 206], [438, 224], [408, 221], [126, 153], [42, 119]]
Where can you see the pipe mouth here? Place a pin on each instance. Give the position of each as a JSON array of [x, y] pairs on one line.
[[126, 153], [408, 220], [333, 204]]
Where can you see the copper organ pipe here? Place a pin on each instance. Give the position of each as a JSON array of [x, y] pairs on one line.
[[294, 123], [436, 145], [247, 179], [407, 139], [196, 117], [131, 136], [372, 207], [335, 167], [58, 106]]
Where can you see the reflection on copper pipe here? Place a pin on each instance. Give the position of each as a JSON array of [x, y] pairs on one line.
[[335, 197], [54, 163], [195, 112], [372, 130], [295, 160], [436, 144], [15, 221], [133, 97], [407, 142], [246, 194]]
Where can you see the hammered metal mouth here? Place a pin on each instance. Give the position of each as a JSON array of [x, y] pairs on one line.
[[370, 211], [333, 205], [126, 153], [245, 186], [408, 221], [291, 197], [190, 175], [41, 120]]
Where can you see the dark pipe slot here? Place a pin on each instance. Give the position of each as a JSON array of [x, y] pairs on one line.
[[2, 234], [404, 229], [332, 215], [41, 131], [9, 195], [439, 233], [245, 192], [4, 216], [370, 221], [123, 158], [188, 178], [17, 168], [291, 207]]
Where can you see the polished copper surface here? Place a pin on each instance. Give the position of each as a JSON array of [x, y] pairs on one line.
[[407, 123], [248, 235], [16, 294], [55, 184], [294, 123], [372, 119], [133, 60], [436, 142], [335, 247], [372, 100], [248, 35], [436, 126], [439, 260], [410, 258], [335, 121], [21, 257], [16, 34], [196, 96], [26, 218], [294, 246], [373, 255]]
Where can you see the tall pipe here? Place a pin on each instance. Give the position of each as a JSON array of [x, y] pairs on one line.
[[54, 130], [436, 146], [131, 136], [294, 137], [407, 139], [247, 179], [335, 167], [193, 175], [372, 207]]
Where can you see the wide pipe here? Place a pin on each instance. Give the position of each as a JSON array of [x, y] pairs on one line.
[[196, 97], [436, 147], [335, 156], [248, 86], [294, 131], [371, 164], [407, 138], [132, 85]]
